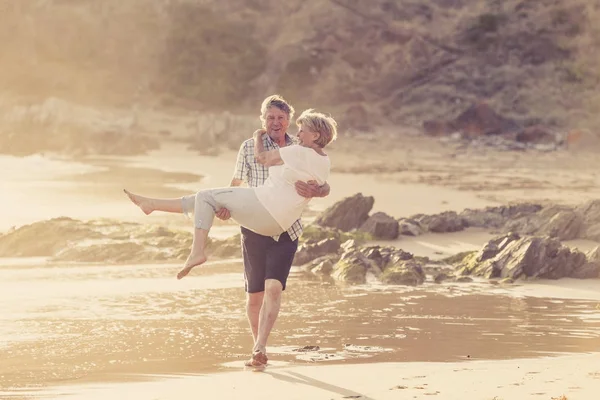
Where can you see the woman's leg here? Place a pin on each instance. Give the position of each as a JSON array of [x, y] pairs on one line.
[[150, 204], [245, 208]]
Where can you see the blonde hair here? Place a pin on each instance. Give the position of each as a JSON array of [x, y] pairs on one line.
[[278, 101], [320, 123]]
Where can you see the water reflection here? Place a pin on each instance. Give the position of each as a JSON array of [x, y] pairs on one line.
[[91, 322]]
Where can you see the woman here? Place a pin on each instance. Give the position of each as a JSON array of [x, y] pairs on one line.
[[269, 209]]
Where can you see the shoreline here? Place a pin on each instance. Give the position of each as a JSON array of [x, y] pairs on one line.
[[576, 376]]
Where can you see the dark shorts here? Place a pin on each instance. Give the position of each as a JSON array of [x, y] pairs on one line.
[[264, 258]]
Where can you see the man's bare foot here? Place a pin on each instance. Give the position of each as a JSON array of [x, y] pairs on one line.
[[142, 202], [258, 360], [193, 260]]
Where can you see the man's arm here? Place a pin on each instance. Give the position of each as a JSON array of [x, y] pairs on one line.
[[312, 189]]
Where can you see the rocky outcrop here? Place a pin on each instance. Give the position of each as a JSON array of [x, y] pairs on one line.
[[386, 264], [512, 256], [347, 214], [45, 238], [381, 226], [480, 125], [590, 212]]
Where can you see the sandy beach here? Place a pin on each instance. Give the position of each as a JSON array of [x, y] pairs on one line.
[[131, 331]]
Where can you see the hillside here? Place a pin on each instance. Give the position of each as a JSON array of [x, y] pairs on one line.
[[372, 63]]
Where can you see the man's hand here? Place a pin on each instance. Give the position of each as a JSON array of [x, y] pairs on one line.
[[223, 214], [308, 189]]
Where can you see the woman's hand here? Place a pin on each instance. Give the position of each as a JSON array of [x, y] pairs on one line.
[[258, 133]]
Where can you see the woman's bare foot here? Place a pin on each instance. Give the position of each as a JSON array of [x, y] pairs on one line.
[[142, 202], [193, 260]]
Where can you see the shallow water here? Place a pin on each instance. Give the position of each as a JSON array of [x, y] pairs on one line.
[[61, 323]]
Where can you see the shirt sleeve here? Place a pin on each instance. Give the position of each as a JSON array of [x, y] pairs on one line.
[[241, 165]]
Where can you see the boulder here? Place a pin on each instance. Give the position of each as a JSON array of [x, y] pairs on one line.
[[351, 268], [536, 257], [386, 263], [381, 226], [347, 214], [591, 269], [405, 272], [590, 212], [556, 221], [310, 251]]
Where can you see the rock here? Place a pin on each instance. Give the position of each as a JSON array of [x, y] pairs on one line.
[[347, 214], [351, 268], [590, 212], [481, 120], [441, 277], [496, 217], [464, 279], [537, 257], [307, 349], [409, 227], [537, 134], [495, 246], [405, 272], [348, 245], [356, 264], [448, 221], [381, 226], [126, 252], [384, 256], [591, 269], [555, 221], [308, 252], [325, 267], [46, 238], [564, 225]]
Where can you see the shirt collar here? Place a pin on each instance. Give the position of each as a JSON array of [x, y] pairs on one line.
[[288, 140]]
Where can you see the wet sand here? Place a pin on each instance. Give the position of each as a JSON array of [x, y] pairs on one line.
[[70, 329], [128, 323]]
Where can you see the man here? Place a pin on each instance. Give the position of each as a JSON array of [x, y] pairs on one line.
[[267, 260]]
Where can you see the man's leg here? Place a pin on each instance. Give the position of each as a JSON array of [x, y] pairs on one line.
[[254, 252], [254, 302], [268, 313], [280, 256]]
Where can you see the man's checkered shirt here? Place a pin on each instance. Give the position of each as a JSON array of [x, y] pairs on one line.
[[255, 174]]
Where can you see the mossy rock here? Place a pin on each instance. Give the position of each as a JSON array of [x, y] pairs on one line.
[[457, 258], [408, 273], [350, 270]]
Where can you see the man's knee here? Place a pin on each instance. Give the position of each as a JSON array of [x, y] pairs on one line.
[[254, 300], [273, 288]]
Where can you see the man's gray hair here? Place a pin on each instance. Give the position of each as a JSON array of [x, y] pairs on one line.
[[275, 101]]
